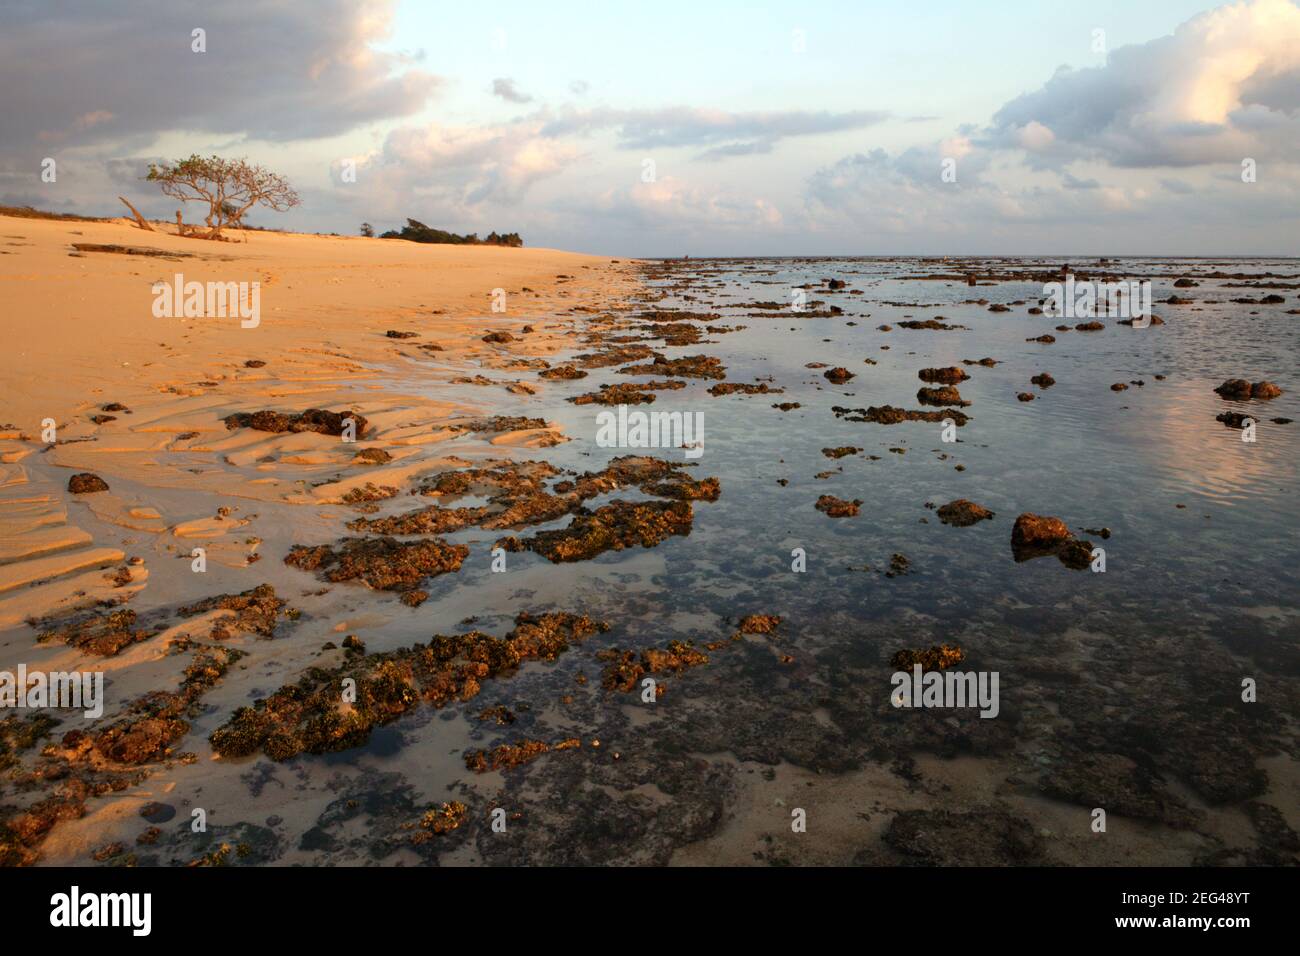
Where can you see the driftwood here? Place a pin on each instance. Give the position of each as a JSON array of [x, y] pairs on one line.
[[139, 219]]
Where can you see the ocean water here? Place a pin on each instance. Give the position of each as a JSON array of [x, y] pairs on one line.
[[1122, 688]]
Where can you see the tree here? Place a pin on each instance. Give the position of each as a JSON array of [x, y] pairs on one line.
[[230, 187], [416, 231], [367, 230]]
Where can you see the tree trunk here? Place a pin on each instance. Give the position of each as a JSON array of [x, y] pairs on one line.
[[139, 219]]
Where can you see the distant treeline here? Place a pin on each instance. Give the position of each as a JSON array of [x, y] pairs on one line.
[[416, 231]]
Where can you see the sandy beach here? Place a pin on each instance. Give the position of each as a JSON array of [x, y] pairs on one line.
[[83, 338]]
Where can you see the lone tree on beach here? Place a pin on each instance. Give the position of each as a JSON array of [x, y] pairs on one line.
[[230, 187]]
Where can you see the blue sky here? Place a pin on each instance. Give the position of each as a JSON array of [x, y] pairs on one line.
[[955, 60], [772, 128]]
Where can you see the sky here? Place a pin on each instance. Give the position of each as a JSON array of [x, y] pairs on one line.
[[1166, 127]]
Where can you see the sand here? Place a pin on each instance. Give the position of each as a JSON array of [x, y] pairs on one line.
[[82, 333]]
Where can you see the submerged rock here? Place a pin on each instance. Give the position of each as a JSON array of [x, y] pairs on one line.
[[312, 420], [103, 634], [928, 324], [156, 721], [690, 366], [504, 423], [506, 756], [563, 373], [440, 820], [383, 563], [951, 375], [889, 415], [1233, 419], [639, 393], [963, 513], [976, 838], [759, 623], [1240, 389], [611, 527], [838, 507], [1036, 536], [313, 715], [1038, 531], [944, 395], [730, 388], [625, 669], [935, 659], [1118, 784], [256, 611]]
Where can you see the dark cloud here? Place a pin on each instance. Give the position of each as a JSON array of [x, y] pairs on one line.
[[505, 88], [73, 74], [686, 126], [756, 148]]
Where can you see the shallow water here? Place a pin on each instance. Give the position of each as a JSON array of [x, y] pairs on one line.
[[1142, 664], [1079, 451]]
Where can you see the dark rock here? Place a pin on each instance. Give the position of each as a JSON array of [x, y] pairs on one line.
[[86, 484], [963, 513]]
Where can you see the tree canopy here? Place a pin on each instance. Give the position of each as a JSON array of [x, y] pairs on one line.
[[230, 187], [416, 231]]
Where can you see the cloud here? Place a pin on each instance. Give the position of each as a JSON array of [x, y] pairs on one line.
[[672, 207], [468, 165], [729, 134], [465, 166], [505, 88], [1224, 85], [79, 74]]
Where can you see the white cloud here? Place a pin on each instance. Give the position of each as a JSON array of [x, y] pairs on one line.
[[465, 166], [1224, 85]]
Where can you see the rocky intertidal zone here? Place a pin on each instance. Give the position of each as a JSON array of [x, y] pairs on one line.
[[331, 709], [611, 527], [112, 754], [691, 366], [383, 563], [518, 497], [890, 415], [663, 735], [640, 393]]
